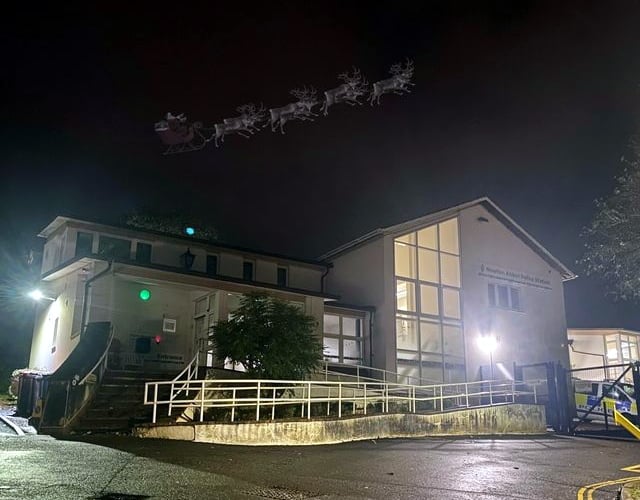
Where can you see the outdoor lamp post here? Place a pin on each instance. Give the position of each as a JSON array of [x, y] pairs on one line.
[[488, 344]]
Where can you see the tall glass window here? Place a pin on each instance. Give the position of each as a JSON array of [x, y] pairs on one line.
[[429, 330]]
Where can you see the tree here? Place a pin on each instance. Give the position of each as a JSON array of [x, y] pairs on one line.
[[612, 240], [270, 337]]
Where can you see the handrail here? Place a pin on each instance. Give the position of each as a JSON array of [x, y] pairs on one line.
[[243, 393], [190, 370], [102, 363], [100, 360]]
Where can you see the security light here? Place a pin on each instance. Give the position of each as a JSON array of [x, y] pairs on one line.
[[488, 343], [37, 295], [190, 230]]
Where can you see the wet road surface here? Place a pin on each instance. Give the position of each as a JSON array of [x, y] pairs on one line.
[[545, 468]]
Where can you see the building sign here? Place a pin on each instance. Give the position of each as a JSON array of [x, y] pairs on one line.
[[519, 277]]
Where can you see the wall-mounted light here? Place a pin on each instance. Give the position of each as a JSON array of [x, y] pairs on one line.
[[187, 258], [37, 295]]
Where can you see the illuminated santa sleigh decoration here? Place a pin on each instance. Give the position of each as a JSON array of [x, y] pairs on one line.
[[179, 135]]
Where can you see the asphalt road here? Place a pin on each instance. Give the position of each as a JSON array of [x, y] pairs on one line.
[[112, 467]]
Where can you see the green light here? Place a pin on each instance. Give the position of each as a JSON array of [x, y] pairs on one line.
[[144, 294]]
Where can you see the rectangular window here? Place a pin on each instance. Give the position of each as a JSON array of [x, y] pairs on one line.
[[247, 271], [212, 265], [143, 253], [282, 276], [114, 247], [505, 297], [84, 243]]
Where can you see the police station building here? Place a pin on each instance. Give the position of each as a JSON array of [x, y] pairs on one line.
[[434, 299]]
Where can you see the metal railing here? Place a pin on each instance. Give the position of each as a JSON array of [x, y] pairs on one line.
[[362, 372], [183, 378], [327, 398]]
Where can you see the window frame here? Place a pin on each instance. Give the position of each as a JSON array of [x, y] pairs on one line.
[[493, 296]]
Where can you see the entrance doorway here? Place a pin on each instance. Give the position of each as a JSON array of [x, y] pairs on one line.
[[206, 315]]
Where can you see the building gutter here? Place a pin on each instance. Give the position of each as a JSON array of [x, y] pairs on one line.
[[87, 285]]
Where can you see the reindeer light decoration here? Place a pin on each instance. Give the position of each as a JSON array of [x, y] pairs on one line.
[[180, 135], [354, 86], [245, 123], [299, 110], [397, 84]]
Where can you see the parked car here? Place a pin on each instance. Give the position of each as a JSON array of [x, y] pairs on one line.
[[620, 396]]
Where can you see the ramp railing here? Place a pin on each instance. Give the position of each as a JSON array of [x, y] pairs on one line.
[[265, 399]]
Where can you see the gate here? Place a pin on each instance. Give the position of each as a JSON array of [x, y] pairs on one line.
[[555, 399], [599, 390]]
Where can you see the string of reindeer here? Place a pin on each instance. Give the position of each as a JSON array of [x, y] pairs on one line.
[[179, 135]]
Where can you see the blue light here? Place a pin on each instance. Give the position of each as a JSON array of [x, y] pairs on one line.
[[190, 231]]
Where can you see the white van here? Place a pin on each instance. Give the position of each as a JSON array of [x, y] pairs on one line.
[[620, 396]]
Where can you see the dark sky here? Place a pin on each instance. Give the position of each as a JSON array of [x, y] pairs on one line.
[[529, 103]]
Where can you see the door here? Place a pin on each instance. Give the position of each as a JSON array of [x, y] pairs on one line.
[[204, 319]]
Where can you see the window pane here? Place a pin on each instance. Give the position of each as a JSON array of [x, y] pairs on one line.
[[212, 264], [114, 247], [282, 276], [349, 326], [84, 243], [247, 271], [407, 238], [492, 294], [332, 324], [453, 344], [407, 334], [202, 305], [408, 373], [450, 270], [428, 237], [515, 299], [143, 252], [331, 347], [449, 236], [612, 351], [405, 296], [451, 303], [428, 265], [503, 296], [233, 302], [351, 351], [429, 300], [430, 337], [405, 259]]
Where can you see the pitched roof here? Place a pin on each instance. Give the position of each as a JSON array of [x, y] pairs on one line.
[[440, 215]]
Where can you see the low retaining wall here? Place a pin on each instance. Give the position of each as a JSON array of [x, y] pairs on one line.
[[491, 421]]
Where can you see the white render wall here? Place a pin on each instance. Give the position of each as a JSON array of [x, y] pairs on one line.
[[365, 276], [538, 334]]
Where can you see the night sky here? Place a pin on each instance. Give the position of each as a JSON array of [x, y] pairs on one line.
[[531, 104]]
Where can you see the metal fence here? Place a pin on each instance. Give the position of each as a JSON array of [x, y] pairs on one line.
[[233, 400]]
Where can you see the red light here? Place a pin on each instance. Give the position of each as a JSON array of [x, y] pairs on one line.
[[158, 339]]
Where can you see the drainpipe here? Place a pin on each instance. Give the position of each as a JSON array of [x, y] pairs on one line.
[[87, 285], [324, 275]]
